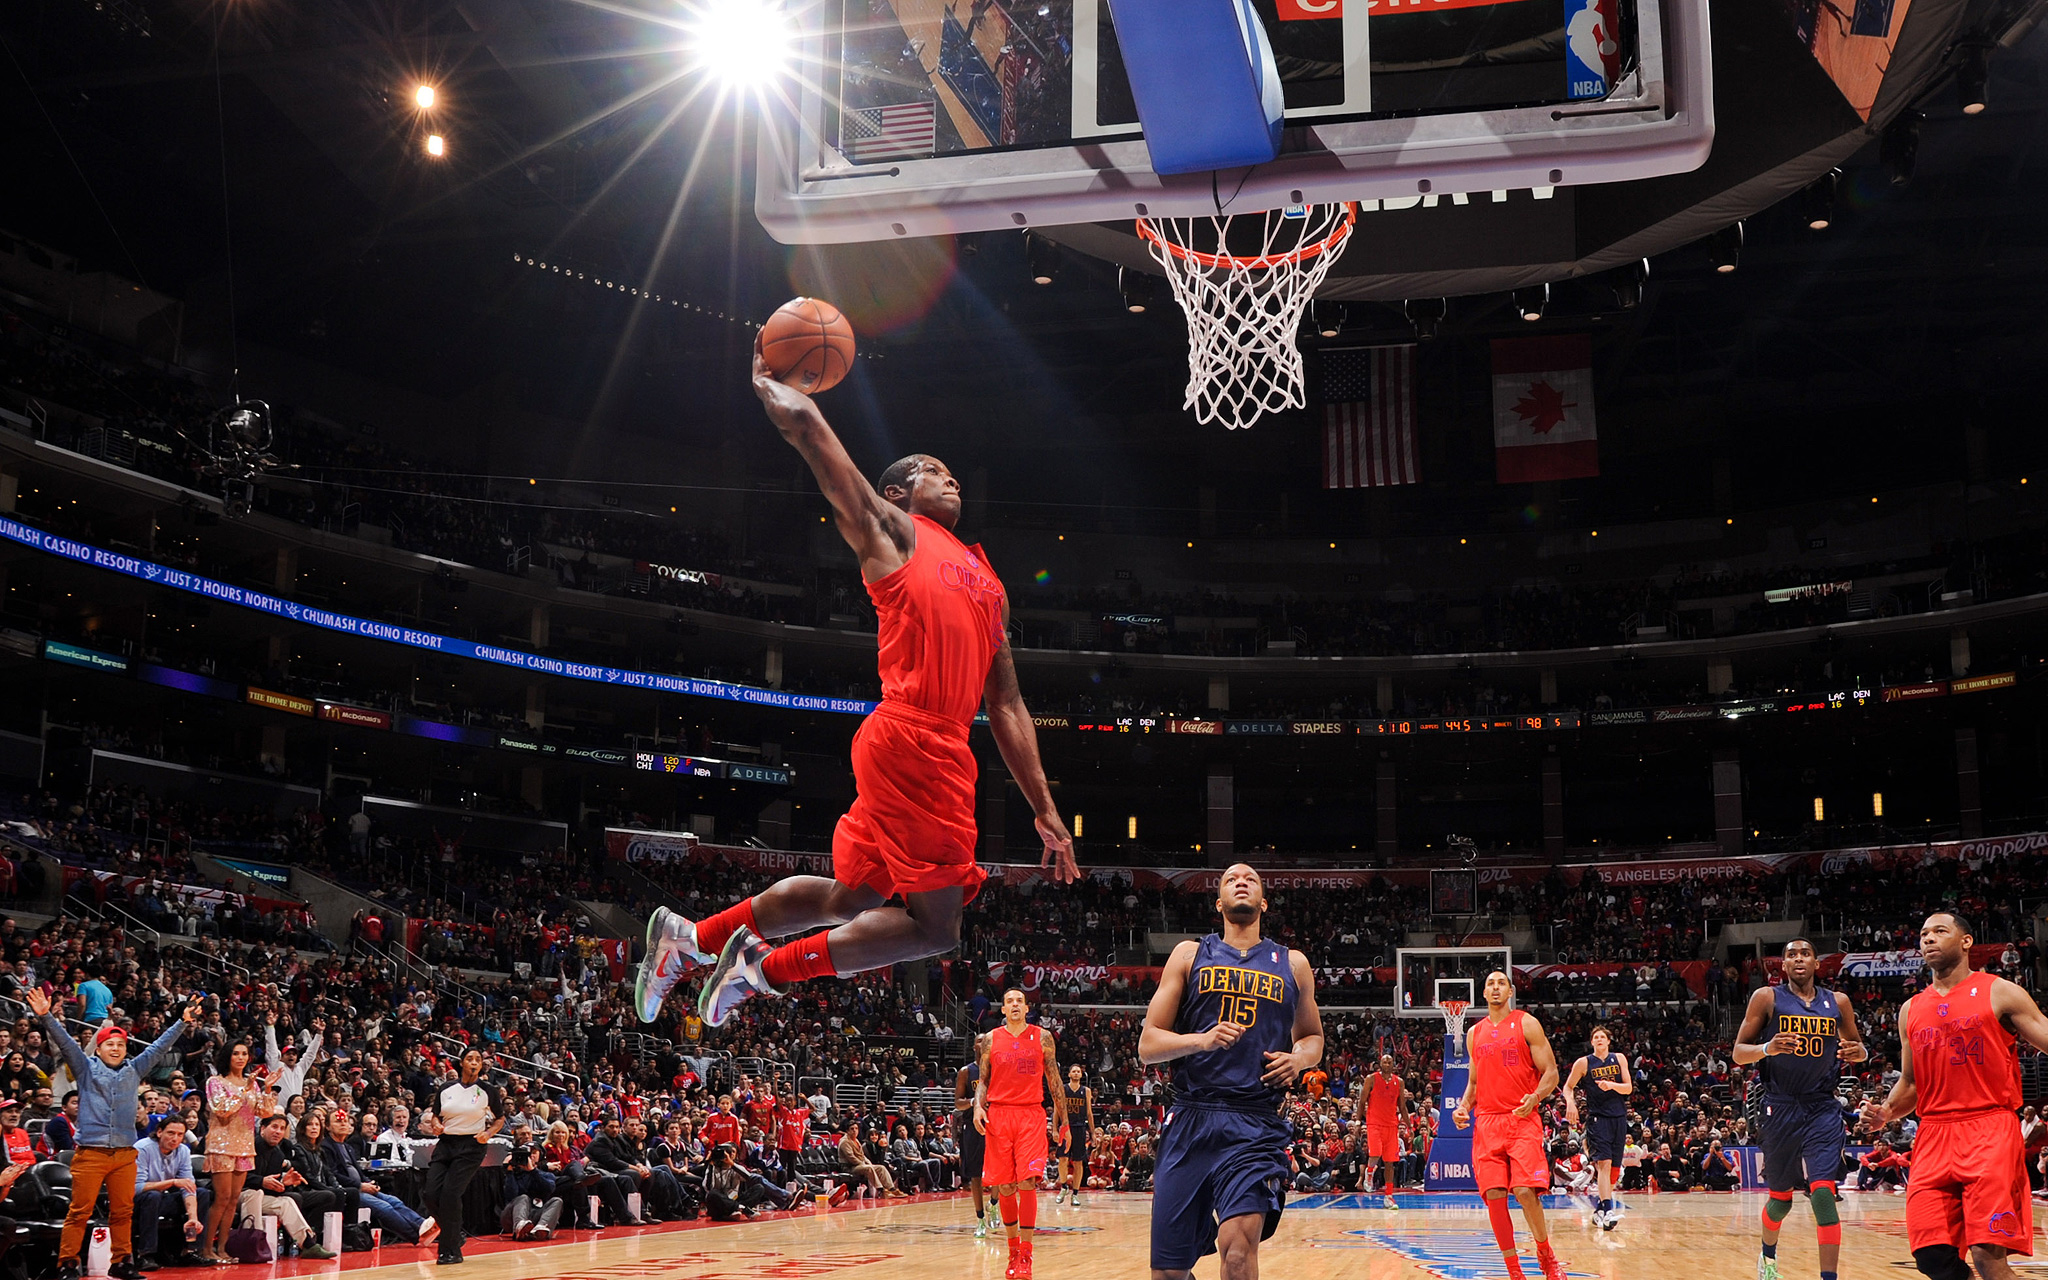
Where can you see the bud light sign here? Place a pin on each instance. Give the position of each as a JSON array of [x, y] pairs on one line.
[[1592, 48]]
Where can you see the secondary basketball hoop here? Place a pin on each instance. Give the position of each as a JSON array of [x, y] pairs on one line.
[[1244, 310]]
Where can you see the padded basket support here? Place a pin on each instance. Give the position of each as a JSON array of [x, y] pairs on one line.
[[1205, 80]]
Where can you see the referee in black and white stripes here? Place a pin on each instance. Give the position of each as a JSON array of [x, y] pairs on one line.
[[471, 1112]]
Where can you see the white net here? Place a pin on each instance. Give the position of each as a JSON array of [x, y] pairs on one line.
[[1244, 310]]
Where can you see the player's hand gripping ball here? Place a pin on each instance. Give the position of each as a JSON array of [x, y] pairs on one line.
[[807, 344]]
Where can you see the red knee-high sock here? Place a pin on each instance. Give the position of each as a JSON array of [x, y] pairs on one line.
[[712, 931], [1027, 1208], [795, 961], [1503, 1226], [1007, 1206]]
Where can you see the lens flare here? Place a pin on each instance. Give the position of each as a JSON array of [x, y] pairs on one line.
[[744, 43]]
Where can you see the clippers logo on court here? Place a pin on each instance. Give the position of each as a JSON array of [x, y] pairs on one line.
[[1592, 48], [1450, 1255]]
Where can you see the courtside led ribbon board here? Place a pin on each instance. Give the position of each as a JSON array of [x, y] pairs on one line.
[[194, 584]]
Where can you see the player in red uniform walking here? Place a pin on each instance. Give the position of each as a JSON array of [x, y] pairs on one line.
[[1016, 1063], [1959, 1070], [943, 623], [1383, 1108], [1513, 1071]]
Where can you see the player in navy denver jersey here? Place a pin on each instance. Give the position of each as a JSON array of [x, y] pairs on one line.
[[1237, 1017], [1608, 1085], [1800, 1032]]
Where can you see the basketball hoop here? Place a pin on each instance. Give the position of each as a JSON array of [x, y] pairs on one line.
[[1454, 1021], [1244, 310]]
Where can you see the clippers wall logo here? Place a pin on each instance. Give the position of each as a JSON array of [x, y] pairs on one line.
[[1450, 1255], [1592, 48]]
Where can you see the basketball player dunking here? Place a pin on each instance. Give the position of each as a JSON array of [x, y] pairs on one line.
[[1608, 1085], [944, 650], [1800, 1032], [1383, 1109], [1074, 1155], [1958, 1069], [1237, 1016], [1017, 1066], [1513, 1071]]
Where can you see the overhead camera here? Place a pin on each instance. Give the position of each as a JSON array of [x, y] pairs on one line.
[[234, 447]]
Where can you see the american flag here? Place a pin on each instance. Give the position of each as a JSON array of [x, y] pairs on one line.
[[904, 131], [1369, 417]]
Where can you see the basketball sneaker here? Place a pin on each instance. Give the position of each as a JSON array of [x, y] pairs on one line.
[[671, 952], [1766, 1268], [981, 1228], [1552, 1268], [735, 978], [1011, 1272]]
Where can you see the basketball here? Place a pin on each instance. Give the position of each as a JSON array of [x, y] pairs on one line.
[[808, 344]]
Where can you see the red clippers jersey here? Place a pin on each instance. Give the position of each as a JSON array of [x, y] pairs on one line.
[[792, 1125], [1382, 1106], [1962, 1057], [761, 1112], [720, 1127], [940, 619], [1501, 1064], [1016, 1068]]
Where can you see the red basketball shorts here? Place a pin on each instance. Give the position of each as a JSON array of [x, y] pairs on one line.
[[1968, 1184], [911, 827], [1507, 1152], [1382, 1142], [1016, 1145]]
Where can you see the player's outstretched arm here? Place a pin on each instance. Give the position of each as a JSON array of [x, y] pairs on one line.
[[1283, 1069], [1749, 1047], [879, 532], [1017, 739], [1157, 1040]]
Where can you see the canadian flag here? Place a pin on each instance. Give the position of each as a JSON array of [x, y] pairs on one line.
[[1543, 409]]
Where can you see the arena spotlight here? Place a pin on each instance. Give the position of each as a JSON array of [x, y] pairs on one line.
[[1724, 248], [424, 96], [1818, 200], [1530, 302], [1628, 284], [1327, 318], [1042, 258], [437, 146], [1425, 316], [1973, 79], [1898, 149], [745, 43]]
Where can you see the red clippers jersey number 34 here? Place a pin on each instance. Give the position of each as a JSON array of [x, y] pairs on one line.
[[1962, 1056]]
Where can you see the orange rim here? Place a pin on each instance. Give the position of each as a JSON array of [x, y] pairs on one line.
[[1261, 262]]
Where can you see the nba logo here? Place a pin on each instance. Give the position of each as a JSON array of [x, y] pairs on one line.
[[1592, 48]]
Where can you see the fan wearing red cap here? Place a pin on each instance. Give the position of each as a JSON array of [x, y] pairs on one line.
[[108, 1081]]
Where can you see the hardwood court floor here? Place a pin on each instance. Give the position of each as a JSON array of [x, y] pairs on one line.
[[1330, 1237]]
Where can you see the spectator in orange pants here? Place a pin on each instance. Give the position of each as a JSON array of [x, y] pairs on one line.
[[107, 1085]]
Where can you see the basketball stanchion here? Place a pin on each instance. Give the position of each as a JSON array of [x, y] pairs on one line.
[[1244, 310]]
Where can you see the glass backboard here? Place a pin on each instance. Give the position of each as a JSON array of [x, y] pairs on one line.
[[920, 117], [1423, 975]]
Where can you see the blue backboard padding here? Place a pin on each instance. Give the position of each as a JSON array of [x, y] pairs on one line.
[[1206, 100]]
